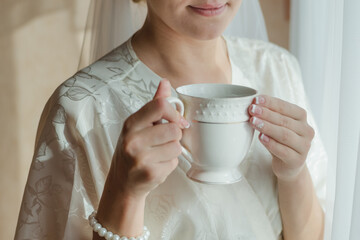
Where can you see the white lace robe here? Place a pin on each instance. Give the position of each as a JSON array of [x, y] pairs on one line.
[[78, 132]]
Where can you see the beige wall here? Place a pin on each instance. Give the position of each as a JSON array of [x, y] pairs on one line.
[[276, 14], [39, 48]]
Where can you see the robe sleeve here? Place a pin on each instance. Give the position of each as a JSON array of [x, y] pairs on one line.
[[317, 158], [76, 139], [276, 72], [56, 200]]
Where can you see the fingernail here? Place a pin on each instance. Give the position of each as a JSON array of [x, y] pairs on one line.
[[165, 81], [259, 100], [257, 122], [256, 109], [264, 138], [184, 123]]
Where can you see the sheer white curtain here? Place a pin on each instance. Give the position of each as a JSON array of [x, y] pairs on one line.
[[325, 36]]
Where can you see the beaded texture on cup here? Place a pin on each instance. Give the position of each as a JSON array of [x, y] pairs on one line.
[[103, 232]]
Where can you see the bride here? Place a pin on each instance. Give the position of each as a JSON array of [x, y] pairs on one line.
[[99, 150]]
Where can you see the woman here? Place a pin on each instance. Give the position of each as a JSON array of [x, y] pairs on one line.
[[99, 145]]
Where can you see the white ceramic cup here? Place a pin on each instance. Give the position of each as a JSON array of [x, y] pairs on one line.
[[220, 135]]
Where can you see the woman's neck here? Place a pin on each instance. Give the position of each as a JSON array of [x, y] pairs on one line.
[[181, 59]]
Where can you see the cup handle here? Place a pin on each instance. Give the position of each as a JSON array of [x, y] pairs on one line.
[[186, 158], [178, 103]]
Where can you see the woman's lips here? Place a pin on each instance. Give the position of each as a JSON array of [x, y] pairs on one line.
[[209, 10]]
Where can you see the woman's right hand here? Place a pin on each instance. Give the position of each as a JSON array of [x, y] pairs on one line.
[[145, 155], [147, 151]]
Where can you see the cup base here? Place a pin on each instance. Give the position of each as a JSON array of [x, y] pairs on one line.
[[214, 176]]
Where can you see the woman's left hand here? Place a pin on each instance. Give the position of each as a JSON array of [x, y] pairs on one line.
[[284, 131]]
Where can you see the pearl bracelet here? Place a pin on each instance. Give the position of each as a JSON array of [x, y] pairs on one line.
[[103, 232]]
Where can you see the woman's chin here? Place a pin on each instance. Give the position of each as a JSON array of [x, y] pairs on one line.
[[203, 30]]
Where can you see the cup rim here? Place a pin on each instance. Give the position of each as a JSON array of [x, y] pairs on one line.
[[253, 94]]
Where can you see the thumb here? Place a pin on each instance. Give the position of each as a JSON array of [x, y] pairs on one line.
[[164, 89]]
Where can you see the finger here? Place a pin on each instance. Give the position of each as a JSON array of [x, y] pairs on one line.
[[281, 106], [160, 153], [152, 112], [282, 152], [164, 89], [160, 134], [148, 138], [278, 119], [281, 135]]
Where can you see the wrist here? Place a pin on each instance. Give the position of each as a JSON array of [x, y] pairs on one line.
[[294, 178], [121, 212]]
